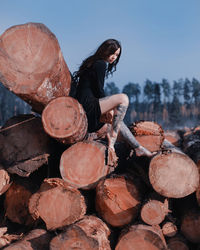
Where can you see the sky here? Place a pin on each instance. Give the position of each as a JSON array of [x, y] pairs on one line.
[[160, 39]]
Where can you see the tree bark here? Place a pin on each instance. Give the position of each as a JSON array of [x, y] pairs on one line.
[[16, 204], [73, 238], [177, 243], [32, 65], [57, 204], [190, 225], [117, 200], [37, 239], [173, 175], [83, 164], [65, 119], [96, 229], [24, 146]]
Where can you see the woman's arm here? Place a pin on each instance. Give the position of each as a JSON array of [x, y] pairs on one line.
[[100, 70]]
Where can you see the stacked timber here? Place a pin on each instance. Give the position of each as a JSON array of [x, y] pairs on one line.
[[56, 188]]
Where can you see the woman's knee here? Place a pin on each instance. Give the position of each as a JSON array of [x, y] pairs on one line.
[[124, 99]]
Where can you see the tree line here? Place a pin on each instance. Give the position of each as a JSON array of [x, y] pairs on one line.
[[171, 105]]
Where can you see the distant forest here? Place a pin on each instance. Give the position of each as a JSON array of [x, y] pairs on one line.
[[172, 105]]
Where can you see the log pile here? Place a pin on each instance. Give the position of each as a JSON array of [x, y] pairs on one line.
[[56, 188]]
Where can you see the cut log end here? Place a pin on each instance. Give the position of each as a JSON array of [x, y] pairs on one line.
[[153, 212], [173, 175], [74, 238], [149, 134], [57, 204], [117, 201], [141, 237], [83, 164], [64, 119]]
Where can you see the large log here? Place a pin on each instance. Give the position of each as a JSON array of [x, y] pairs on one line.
[[96, 229], [24, 146], [88, 228], [173, 175], [57, 204], [73, 238], [177, 243], [37, 239], [190, 225], [139, 237], [65, 119], [118, 200], [83, 164], [149, 134], [191, 144], [32, 65], [16, 203]]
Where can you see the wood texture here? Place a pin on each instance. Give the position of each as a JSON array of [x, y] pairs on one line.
[[83, 164], [57, 204], [173, 175], [32, 65], [149, 134], [65, 119], [117, 200]]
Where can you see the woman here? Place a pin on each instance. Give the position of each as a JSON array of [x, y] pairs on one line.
[[90, 93]]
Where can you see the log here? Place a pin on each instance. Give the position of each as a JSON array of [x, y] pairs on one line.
[[149, 134], [57, 204], [32, 65], [173, 175], [153, 212], [177, 243], [6, 239], [190, 225], [173, 137], [16, 203], [5, 181], [81, 233], [65, 119], [140, 237], [37, 239], [191, 145], [73, 238], [24, 146], [83, 164], [96, 229], [169, 229], [118, 200]]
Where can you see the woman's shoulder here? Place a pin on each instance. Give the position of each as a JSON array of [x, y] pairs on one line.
[[100, 64]]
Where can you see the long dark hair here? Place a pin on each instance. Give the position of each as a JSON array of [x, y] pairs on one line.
[[106, 49]]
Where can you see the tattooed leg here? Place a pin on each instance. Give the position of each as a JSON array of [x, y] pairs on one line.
[[119, 114], [130, 139]]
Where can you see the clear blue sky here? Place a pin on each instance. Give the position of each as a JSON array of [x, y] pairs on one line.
[[160, 39]]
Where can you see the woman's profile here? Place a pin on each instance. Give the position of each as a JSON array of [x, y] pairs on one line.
[[90, 93]]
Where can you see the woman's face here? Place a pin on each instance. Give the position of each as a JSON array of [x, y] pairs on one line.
[[113, 57]]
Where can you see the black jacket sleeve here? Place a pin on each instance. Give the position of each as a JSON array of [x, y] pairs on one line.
[[100, 71]]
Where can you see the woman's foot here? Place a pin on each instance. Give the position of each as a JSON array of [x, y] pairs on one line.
[[141, 151], [112, 157]]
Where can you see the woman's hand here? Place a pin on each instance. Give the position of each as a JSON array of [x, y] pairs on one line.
[[107, 117]]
